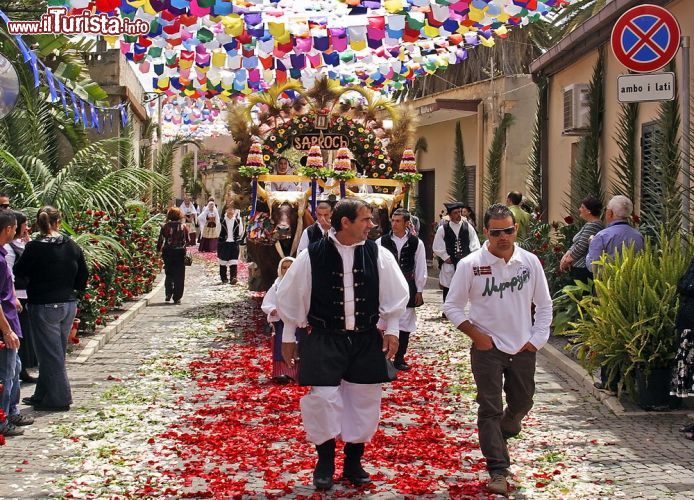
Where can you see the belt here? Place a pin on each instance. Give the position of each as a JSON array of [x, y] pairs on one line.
[[337, 331]]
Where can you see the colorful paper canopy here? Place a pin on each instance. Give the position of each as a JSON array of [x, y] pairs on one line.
[[206, 48]]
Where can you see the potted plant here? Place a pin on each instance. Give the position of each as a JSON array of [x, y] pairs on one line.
[[629, 324]]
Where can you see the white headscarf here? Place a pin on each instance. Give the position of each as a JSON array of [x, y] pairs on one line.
[[279, 270], [210, 209]]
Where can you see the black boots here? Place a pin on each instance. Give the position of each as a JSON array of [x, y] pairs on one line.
[[353, 471], [399, 361], [232, 274], [325, 468]]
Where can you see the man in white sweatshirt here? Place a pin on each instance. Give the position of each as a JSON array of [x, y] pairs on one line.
[[501, 281]]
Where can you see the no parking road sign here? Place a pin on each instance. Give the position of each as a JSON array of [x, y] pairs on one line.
[[646, 38]]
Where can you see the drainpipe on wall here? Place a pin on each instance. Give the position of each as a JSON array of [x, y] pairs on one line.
[[481, 131], [544, 147], [686, 132]]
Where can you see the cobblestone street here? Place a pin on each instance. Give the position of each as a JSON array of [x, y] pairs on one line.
[[147, 401]]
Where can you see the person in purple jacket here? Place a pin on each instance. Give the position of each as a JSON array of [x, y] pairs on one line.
[[617, 234], [10, 333]]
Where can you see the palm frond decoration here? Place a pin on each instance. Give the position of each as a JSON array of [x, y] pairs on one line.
[[375, 104], [325, 93], [271, 99], [492, 179], [240, 130], [586, 175], [626, 165], [401, 135]]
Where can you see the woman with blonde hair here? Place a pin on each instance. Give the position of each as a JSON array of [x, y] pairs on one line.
[[54, 268], [172, 241]]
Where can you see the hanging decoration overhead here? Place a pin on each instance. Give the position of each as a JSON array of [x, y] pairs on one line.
[[186, 117], [206, 48]]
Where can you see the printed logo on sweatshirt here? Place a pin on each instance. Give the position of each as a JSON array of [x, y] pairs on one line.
[[515, 284], [482, 270]]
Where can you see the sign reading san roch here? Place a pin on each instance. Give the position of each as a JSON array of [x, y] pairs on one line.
[[645, 39], [304, 142]]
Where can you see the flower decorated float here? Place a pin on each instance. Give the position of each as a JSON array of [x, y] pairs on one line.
[[340, 137]]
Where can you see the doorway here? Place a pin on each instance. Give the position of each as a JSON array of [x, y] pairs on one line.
[[425, 204]]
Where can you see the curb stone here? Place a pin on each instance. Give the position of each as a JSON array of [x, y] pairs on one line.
[[585, 384], [108, 333]]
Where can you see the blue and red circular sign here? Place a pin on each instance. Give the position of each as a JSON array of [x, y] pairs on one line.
[[646, 38]]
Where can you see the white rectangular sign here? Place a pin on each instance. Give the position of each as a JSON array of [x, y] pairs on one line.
[[646, 87]]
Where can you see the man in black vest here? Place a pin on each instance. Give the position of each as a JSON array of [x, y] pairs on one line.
[[228, 244], [454, 240], [339, 288], [314, 232], [411, 257]]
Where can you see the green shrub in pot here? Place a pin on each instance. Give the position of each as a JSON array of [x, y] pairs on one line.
[[629, 325]]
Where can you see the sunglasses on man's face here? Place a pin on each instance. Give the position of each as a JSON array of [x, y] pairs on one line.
[[497, 232], [4, 205]]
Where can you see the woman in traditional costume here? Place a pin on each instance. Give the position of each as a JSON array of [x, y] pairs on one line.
[[210, 227]]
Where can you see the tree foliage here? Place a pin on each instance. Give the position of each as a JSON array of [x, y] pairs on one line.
[[626, 164], [492, 180], [586, 174], [458, 189]]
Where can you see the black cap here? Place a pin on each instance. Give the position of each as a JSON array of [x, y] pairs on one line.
[[453, 205]]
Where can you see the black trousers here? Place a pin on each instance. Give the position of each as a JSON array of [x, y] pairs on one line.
[[328, 357], [26, 351], [495, 373], [175, 272]]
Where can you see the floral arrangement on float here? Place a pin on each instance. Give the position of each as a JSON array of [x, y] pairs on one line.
[[367, 148], [407, 172], [342, 166], [255, 164], [314, 165]]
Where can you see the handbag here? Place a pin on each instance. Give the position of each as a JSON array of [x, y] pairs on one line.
[[188, 259], [391, 371]]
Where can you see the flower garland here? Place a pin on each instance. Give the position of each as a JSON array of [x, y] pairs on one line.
[[253, 171], [408, 177], [366, 148], [317, 172]]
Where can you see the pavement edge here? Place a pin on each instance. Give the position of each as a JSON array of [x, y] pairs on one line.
[[108, 333], [585, 382]]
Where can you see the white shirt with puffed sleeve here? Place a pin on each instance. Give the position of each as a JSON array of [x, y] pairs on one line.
[[294, 292]]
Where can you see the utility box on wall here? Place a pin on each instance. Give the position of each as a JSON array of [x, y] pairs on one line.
[[576, 109]]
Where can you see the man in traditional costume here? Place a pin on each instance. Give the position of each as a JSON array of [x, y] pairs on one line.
[[340, 287], [454, 240], [230, 235], [409, 251], [317, 230]]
